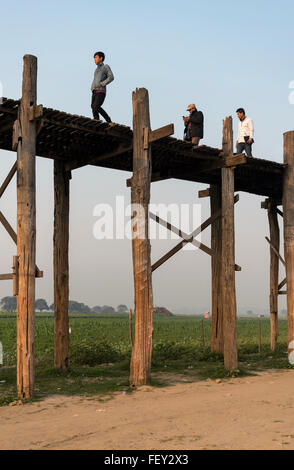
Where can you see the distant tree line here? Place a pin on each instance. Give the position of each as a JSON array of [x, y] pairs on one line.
[[8, 304]]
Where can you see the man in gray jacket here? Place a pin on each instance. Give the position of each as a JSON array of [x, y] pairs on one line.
[[102, 77]]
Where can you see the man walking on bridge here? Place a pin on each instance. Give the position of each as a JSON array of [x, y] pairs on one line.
[[245, 133], [102, 77]]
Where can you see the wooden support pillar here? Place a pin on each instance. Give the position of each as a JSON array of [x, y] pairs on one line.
[[274, 270], [61, 268], [228, 254], [140, 197], [288, 210], [26, 231], [217, 341], [216, 327]]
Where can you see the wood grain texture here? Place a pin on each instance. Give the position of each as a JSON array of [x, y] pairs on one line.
[[61, 265], [288, 211], [217, 340], [26, 232], [228, 255], [78, 139], [274, 271], [140, 196]]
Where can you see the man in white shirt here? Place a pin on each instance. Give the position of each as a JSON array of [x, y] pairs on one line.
[[245, 133]]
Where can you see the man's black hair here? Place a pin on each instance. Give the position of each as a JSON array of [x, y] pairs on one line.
[[101, 54], [240, 110]]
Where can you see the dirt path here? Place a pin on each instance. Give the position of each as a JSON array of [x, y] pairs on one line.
[[247, 413]]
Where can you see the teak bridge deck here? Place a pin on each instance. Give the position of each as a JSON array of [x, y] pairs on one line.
[[75, 141], [80, 141]]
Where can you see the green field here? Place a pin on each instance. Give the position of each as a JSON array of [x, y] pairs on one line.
[[100, 353]]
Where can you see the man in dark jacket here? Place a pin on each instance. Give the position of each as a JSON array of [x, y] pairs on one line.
[[194, 123]]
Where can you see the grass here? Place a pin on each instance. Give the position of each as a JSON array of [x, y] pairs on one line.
[[100, 354]]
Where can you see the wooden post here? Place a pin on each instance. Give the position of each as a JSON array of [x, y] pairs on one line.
[[288, 210], [140, 196], [228, 254], [203, 333], [274, 270], [259, 336], [60, 261], [26, 231], [131, 326], [217, 341]]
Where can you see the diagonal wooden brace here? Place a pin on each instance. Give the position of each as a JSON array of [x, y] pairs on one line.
[[8, 179], [275, 251], [282, 284], [160, 133], [13, 235], [187, 238]]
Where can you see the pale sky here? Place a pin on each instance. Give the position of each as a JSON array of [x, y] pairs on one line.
[[220, 55]]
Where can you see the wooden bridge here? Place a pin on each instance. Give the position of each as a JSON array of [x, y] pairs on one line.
[[78, 141], [74, 141]]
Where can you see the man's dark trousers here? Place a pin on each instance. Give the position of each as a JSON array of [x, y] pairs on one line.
[[243, 146], [97, 101]]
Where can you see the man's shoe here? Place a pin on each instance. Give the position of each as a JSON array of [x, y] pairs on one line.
[[111, 124]]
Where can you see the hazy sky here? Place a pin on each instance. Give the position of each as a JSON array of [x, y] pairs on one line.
[[220, 55]]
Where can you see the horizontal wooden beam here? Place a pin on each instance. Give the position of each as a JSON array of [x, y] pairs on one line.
[[6, 277], [204, 193], [234, 160], [266, 204], [161, 133]]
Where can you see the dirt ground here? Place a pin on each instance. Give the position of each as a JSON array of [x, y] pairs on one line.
[[242, 413]]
